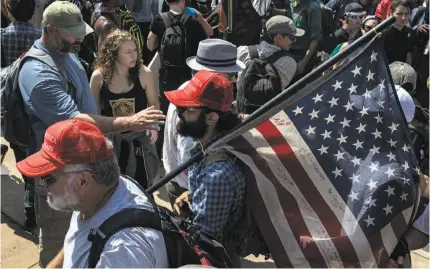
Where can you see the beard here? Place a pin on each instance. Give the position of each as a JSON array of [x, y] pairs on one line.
[[196, 129], [64, 47], [66, 202]]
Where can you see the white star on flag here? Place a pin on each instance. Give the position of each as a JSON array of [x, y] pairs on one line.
[[326, 134], [358, 144], [372, 184], [406, 166], [353, 195], [393, 127], [370, 76], [345, 122], [348, 106], [333, 102], [406, 148], [389, 172], [405, 180], [352, 89], [373, 167], [378, 119], [314, 114], [339, 155], [337, 172], [371, 202], [354, 178], [369, 221], [342, 139], [382, 84], [298, 110], [373, 56], [323, 150], [361, 128], [380, 103], [356, 161], [390, 190], [356, 71], [391, 156], [364, 111], [377, 133], [392, 143], [387, 209], [403, 196], [310, 130], [318, 98], [367, 94], [375, 150], [338, 85], [330, 118]]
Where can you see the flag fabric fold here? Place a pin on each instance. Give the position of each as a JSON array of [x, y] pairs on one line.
[[331, 172]]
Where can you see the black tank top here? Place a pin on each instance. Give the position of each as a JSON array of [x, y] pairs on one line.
[[123, 104]]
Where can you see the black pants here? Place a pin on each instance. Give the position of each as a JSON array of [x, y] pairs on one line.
[[21, 154], [147, 55]]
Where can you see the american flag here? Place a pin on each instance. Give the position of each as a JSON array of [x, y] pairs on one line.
[[331, 171]]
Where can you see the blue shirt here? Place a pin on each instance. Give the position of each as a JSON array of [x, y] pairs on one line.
[[218, 195], [51, 96]]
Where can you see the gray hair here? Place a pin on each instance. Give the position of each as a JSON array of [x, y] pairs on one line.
[[105, 172]]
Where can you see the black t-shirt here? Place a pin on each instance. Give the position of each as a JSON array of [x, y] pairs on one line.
[[193, 30], [398, 43]]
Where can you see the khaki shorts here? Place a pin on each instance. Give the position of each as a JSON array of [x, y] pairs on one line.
[[53, 226]]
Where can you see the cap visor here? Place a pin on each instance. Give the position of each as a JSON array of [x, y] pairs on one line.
[[181, 99], [36, 165], [79, 31], [299, 32]]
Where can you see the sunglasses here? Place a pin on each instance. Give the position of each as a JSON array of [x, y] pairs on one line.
[[189, 109], [291, 37], [48, 180]]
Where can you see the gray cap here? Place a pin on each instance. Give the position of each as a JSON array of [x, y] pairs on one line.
[[403, 74], [283, 25]]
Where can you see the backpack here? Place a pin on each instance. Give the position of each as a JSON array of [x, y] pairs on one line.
[[15, 125], [419, 130], [174, 52], [328, 21], [184, 243], [259, 81], [246, 235]]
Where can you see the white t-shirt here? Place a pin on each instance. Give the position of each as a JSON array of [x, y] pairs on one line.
[[176, 148], [36, 20], [422, 223], [128, 248]]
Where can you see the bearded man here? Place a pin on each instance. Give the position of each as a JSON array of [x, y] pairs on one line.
[[216, 193], [60, 91]]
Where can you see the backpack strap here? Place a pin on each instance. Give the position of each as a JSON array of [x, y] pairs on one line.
[[272, 59], [127, 218], [218, 155], [166, 19], [253, 52], [40, 55]]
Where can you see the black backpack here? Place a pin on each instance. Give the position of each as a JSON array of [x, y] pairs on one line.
[[259, 81], [15, 125], [184, 244], [174, 52]]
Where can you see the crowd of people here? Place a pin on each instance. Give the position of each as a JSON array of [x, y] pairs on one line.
[[138, 85]]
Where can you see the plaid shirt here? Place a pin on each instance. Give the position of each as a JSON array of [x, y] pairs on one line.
[[218, 195], [16, 39]]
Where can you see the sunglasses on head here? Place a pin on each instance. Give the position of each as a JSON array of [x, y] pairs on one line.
[[189, 109]]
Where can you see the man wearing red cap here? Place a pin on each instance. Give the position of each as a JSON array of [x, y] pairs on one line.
[[216, 194], [81, 174]]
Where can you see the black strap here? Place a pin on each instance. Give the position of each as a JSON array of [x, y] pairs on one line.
[[166, 19], [272, 59], [253, 52], [127, 218]]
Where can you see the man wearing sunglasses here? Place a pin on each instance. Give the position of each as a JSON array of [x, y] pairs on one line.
[[216, 193], [81, 174]]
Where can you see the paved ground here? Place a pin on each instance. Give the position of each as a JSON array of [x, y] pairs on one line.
[[19, 249]]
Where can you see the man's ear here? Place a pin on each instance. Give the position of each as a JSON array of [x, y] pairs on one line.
[[51, 29], [212, 118], [85, 179]]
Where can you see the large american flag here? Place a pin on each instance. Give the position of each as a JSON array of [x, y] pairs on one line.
[[331, 172]]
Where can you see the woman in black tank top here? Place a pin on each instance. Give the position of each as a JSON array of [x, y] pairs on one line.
[[122, 87]]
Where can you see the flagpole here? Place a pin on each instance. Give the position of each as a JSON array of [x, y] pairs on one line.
[[301, 83]]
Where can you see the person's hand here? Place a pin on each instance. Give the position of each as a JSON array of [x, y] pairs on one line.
[[147, 119], [424, 185], [301, 67], [179, 202], [395, 264], [423, 28], [153, 136]]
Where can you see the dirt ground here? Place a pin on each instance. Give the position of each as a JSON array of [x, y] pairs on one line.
[[19, 248]]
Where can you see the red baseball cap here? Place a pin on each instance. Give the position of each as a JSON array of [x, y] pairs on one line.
[[207, 89], [67, 142]]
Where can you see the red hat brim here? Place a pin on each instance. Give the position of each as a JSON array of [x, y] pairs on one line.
[[181, 98], [37, 165]]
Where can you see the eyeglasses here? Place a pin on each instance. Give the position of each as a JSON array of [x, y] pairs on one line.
[[189, 109], [291, 37], [48, 180]]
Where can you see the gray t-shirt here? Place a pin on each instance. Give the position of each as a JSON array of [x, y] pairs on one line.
[[52, 96], [128, 248]]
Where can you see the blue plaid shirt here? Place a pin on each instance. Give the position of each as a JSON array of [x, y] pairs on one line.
[[16, 39], [218, 195]]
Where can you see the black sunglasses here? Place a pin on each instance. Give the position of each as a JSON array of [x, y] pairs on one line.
[[291, 37], [48, 180], [190, 109]]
